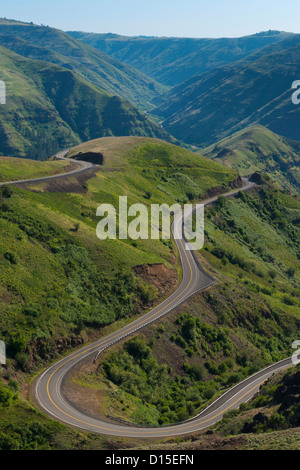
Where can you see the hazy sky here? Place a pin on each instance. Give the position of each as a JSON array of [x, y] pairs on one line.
[[183, 18]]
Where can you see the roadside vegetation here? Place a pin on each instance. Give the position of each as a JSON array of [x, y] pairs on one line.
[[275, 408], [269, 421], [60, 286], [248, 320], [256, 148], [13, 169]]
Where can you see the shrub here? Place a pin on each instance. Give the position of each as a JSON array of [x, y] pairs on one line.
[[147, 292], [11, 257], [138, 348], [198, 371], [288, 300], [209, 393], [33, 310], [6, 192], [23, 359], [16, 343], [7, 396], [291, 272]]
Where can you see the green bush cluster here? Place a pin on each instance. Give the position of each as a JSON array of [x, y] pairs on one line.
[[277, 404], [136, 371], [7, 395], [28, 436], [194, 335]]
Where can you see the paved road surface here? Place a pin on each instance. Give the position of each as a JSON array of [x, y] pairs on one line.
[[48, 387], [49, 390], [81, 167]]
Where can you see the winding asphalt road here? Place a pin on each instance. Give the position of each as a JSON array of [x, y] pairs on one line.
[[48, 386]]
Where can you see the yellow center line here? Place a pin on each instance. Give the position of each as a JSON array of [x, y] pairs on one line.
[[115, 336], [167, 429], [149, 431]]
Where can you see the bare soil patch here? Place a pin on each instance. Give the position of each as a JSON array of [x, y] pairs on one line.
[[64, 184], [159, 276]]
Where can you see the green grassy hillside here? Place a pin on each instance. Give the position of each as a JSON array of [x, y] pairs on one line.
[[258, 149], [50, 108], [274, 408], [55, 46], [174, 60], [249, 319], [269, 421], [13, 169], [149, 165], [256, 90], [50, 251], [60, 287]]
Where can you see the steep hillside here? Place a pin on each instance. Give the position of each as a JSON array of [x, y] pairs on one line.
[[173, 60], [57, 47], [256, 90], [258, 149], [166, 169], [276, 407], [49, 251], [60, 287], [270, 421], [50, 108], [174, 368], [14, 169]]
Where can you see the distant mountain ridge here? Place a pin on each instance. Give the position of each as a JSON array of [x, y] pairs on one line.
[[50, 108], [246, 81], [53, 45], [255, 90], [174, 60]]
